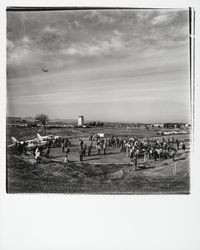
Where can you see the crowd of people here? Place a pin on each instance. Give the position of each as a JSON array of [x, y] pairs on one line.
[[133, 147], [147, 149]]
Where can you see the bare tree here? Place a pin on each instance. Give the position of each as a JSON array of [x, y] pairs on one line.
[[43, 119]]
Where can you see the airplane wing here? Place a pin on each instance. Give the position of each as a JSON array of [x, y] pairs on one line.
[[32, 141]]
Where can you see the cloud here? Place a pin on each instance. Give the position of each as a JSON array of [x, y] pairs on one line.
[[60, 40], [162, 18], [18, 56], [114, 60], [10, 45], [97, 48], [50, 29]]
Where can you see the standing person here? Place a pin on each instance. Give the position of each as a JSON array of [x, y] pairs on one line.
[[117, 142], [63, 146], [177, 143], [81, 154], [54, 143], [47, 152], [84, 149], [127, 145], [113, 142], [145, 158], [183, 146], [90, 137], [174, 154], [98, 148], [132, 153], [104, 148], [66, 160], [89, 149], [121, 146], [101, 144], [136, 158], [135, 161], [25, 148], [42, 151], [81, 143], [37, 156], [155, 155], [150, 153], [20, 148], [159, 152]]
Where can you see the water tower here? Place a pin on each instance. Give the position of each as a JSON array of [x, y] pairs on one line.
[[81, 120]]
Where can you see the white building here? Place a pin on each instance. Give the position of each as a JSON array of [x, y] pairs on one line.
[[81, 120]]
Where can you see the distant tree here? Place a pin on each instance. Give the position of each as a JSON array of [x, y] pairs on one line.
[[43, 119]]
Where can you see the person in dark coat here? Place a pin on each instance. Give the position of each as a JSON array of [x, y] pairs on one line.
[[183, 146], [81, 154], [89, 150], [84, 149], [177, 143], [66, 160], [104, 148], [47, 152]]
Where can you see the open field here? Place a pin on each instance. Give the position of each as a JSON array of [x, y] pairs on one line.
[[30, 133], [110, 173], [72, 133]]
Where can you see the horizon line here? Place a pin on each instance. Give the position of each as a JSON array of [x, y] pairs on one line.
[[100, 120]]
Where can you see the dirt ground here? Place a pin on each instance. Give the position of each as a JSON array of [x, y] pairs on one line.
[[110, 173]]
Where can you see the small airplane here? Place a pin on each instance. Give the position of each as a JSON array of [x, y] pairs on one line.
[[44, 138], [47, 137], [45, 70], [29, 143]]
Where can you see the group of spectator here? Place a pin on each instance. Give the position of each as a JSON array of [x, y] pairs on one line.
[[133, 147], [151, 149]]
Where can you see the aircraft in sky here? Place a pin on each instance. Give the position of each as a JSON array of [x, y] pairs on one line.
[[45, 70]]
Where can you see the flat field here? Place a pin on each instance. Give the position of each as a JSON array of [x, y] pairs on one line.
[[110, 173]]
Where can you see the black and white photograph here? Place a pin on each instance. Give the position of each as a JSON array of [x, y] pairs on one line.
[[99, 100]]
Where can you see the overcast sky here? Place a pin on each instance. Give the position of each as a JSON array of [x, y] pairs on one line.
[[114, 65]]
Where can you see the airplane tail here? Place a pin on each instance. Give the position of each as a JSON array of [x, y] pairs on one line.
[[39, 136], [14, 140]]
